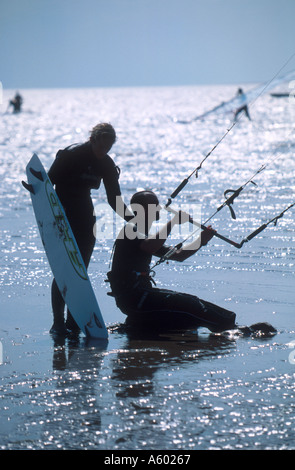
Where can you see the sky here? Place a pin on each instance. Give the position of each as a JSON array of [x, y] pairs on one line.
[[123, 43]]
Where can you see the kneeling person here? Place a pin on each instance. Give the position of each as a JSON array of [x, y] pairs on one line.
[[131, 283]]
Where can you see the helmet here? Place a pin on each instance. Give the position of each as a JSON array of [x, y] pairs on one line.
[[144, 198]]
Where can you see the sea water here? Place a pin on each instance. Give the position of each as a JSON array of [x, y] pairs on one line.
[[183, 391]]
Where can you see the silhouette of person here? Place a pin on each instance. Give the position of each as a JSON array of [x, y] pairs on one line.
[[75, 172], [132, 284], [16, 103], [243, 107]]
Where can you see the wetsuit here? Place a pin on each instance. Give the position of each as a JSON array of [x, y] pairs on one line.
[[75, 172], [16, 103], [135, 294]]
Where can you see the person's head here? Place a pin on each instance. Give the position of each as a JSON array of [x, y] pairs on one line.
[[146, 205], [102, 138]]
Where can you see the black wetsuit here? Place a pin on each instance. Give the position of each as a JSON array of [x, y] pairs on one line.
[[16, 103], [75, 172], [132, 286]]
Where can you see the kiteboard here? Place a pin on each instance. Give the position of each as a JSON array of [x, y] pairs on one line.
[[62, 251]]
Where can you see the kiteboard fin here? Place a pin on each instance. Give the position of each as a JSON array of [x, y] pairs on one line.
[[29, 187], [37, 174]]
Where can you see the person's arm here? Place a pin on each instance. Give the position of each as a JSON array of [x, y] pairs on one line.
[[153, 243], [122, 210], [186, 252], [113, 192]]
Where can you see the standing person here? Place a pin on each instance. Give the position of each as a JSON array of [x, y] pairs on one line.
[[243, 105], [16, 102], [131, 281], [75, 172]]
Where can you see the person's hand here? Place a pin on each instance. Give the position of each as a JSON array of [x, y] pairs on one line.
[[207, 234]]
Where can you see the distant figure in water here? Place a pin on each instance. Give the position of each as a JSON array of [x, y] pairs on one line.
[[243, 107], [16, 103]]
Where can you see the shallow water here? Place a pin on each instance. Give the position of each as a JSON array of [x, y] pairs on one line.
[[190, 390]]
